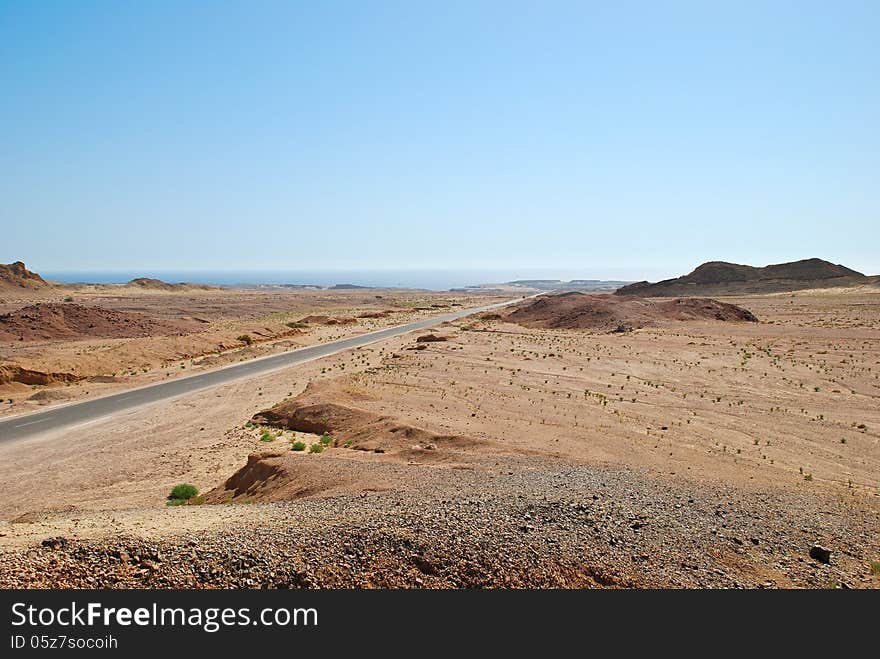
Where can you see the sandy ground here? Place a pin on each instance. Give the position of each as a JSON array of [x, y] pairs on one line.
[[107, 365], [745, 443]]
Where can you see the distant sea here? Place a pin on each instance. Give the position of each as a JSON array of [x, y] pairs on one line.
[[437, 280]]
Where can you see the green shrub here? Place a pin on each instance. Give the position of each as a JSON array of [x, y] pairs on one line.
[[326, 440], [875, 567], [298, 446], [316, 448], [268, 437], [245, 338], [184, 491]]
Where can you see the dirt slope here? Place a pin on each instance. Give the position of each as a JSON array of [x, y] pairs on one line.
[[326, 409], [616, 313], [52, 320]]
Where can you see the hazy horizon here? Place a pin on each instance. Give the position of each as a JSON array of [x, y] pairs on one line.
[[360, 276], [439, 279], [632, 141]]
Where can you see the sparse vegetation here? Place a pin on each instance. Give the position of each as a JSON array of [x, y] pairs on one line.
[[583, 391], [245, 338], [182, 494]]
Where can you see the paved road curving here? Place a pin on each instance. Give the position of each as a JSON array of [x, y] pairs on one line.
[[26, 425]]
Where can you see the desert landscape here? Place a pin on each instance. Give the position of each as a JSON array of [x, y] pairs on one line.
[[334, 323], [720, 430], [65, 342]]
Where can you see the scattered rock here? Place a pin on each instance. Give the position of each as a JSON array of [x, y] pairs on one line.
[[820, 553], [54, 543], [430, 338]]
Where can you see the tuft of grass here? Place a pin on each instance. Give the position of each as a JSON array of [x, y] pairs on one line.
[[268, 437], [326, 440], [298, 446], [875, 567], [316, 448], [808, 477], [245, 338], [297, 325], [181, 494]]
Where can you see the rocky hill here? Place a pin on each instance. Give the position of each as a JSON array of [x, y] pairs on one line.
[[151, 284], [720, 278], [16, 277], [609, 313]]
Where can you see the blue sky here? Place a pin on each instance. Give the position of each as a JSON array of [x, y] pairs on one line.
[[624, 139]]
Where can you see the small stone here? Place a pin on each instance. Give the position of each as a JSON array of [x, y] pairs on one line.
[[820, 553], [55, 543]]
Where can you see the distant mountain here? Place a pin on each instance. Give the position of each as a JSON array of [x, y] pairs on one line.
[[148, 283], [720, 278], [573, 285], [16, 276]]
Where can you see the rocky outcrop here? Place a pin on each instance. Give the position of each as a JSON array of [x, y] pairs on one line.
[[10, 373], [721, 278], [15, 276]]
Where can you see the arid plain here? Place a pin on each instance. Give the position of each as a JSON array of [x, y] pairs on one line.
[[484, 452]]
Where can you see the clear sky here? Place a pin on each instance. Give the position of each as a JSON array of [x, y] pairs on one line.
[[614, 139]]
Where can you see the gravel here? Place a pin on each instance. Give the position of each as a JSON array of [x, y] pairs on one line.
[[530, 525]]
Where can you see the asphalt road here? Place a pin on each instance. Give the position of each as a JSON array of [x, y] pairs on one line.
[[26, 425]]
